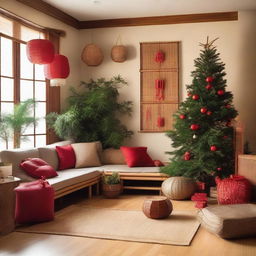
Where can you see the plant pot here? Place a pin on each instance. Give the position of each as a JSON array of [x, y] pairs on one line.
[[112, 191]]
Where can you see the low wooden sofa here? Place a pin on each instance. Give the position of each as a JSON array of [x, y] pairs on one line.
[[70, 180]]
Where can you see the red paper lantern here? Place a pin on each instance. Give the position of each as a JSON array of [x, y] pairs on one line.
[[40, 51], [194, 127], [159, 57], [234, 190], [58, 70]]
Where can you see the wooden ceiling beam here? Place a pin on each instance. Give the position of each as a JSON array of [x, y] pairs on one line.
[[125, 22], [160, 20], [50, 10]]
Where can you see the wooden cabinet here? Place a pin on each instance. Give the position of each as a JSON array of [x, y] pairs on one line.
[[159, 94], [7, 204]]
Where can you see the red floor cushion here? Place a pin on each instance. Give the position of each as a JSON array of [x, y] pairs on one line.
[[34, 202]]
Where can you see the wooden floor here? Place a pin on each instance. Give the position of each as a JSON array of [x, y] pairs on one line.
[[204, 243]]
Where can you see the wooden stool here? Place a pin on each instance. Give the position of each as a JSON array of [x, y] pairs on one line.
[[157, 207]]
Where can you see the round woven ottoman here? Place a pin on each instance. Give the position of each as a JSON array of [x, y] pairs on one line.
[[157, 207]]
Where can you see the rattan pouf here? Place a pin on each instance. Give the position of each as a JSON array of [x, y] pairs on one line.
[[157, 207]]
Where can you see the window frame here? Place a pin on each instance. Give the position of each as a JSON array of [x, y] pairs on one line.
[[52, 93]]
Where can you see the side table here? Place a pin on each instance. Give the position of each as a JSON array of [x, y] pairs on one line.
[[7, 204]]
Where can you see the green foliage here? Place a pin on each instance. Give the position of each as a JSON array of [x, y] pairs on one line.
[[112, 179], [93, 114], [17, 122], [214, 126]]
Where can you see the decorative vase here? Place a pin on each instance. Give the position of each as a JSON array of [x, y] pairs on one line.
[[112, 191], [92, 55], [179, 188], [157, 207], [118, 53]]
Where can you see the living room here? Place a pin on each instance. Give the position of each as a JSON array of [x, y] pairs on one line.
[[106, 25]]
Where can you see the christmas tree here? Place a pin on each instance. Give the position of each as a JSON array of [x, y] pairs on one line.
[[203, 132]]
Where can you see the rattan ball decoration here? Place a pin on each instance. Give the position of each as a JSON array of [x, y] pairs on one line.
[[119, 53], [179, 188], [92, 55]]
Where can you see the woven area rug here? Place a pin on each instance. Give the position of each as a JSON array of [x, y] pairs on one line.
[[178, 229]]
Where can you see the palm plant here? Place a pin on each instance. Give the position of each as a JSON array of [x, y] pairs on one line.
[[17, 122]]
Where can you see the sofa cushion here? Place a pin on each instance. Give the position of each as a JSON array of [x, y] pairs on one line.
[[66, 156], [15, 157], [112, 156], [137, 156], [229, 221], [37, 168], [70, 177], [49, 154], [86, 154]]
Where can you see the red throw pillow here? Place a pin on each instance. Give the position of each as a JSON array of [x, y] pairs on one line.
[[137, 157], [67, 157], [36, 168]]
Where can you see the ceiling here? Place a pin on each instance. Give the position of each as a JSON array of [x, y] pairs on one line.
[[84, 10]]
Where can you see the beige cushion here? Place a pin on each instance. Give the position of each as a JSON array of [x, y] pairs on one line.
[[71, 177], [86, 154], [49, 154], [229, 221], [15, 157], [112, 156]]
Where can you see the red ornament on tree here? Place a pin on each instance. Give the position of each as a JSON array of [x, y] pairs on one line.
[[208, 86], [213, 148], [228, 106], [208, 113], [219, 169], [220, 92], [195, 97], [209, 79], [194, 127], [187, 156], [225, 137], [203, 110], [228, 123], [182, 116]]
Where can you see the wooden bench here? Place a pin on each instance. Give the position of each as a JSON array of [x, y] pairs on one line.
[[143, 176]]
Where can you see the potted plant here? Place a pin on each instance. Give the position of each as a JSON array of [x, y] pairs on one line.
[[111, 185]]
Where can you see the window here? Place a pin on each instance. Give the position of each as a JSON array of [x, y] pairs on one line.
[[21, 80]]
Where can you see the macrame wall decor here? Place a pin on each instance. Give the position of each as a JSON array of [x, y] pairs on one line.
[[159, 71]]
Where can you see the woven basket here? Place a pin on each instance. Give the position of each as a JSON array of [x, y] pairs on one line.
[[118, 53], [234, 190], [179, 188], [92, 55]]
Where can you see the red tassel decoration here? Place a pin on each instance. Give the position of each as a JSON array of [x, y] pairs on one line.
[[159, 57], [159, 86], [160, 121]]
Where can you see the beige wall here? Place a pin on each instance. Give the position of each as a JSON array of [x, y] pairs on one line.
[[68, 44], [236, 44]]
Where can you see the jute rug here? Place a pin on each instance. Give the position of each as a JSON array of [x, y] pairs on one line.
[[178, 229]]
